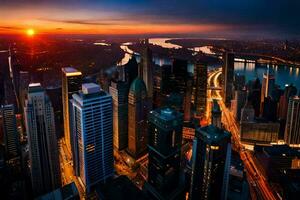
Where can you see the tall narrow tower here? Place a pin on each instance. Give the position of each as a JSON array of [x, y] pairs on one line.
[[292, 129], [147, 67], [201, 89], [43, 148], [228, 72], [71, 83]]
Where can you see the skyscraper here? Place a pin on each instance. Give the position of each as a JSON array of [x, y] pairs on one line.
[[268, 86], [211, 163], [240, 97], [292, 129], [11, 138], [201, 89], [93, 136], [119, 92], [43, 149], [289, 91], [147, 68], [216, 114], [138, 108], [165, 135], [71, 83], [228, 72]]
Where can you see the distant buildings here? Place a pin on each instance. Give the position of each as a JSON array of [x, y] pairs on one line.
[[292, 129], [211, 162], [201, 89], [289, 92], [138, 108], [165, 135], [43, 149], [216, 114], [92, 128], [228, 72], [119, 92], [71, 83], [11, 137]]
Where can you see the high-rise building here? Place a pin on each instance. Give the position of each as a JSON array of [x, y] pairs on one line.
[[138, 108], [292, 128], [11, 138], [201, 88], [289, 91], [211, 163], [268, 86], [23, 87], [247, 112], [92, 127], [239, 81], [71, 83], [129, 71], [228, 72], [269, 109], [255, 95], [119, 92], [43, 148], [147, 68], [165, 135], [216, 114], [240, 98]]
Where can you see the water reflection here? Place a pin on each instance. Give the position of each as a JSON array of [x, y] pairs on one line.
[[163, 43]]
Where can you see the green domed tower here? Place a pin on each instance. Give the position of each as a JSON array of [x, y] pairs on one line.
[[138, 109]]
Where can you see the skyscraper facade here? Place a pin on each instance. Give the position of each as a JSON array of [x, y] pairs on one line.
[[289, 91], [292, 128], [201, 88], [92, 127], [119, 92], [71, 83], [138, 108], [147, 67], [165, 135], [43, 148], [211, 163], [268, 86], [228, 72], [11, 137], [216, 114]]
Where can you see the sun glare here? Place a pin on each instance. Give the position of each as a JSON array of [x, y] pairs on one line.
[[30, 32]]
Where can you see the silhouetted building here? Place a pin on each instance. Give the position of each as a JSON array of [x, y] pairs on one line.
[[92, 128], [43, 148], [201, 89], [268, 86], [239, 81], [239, 101], [165, 139], [211, 163], [147, 68], [216, 114], [228, 72], [119, 92], [71, 83], [138, 108], [255, 95], [269, 109], [289, 92], [130, 70], [292, 129]]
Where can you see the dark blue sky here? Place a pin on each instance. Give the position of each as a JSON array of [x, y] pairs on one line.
[[240, 17]]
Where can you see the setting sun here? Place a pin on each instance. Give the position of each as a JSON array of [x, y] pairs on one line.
[[30, 32]]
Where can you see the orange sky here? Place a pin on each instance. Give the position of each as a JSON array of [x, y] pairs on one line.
[[58, 21]]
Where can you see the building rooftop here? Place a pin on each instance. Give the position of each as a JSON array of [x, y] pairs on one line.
[[212, 134], [166, 114], [70, 71], [138, 86], [35, 87], [90, 88], [281, 151]]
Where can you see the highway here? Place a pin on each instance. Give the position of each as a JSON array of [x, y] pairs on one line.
[[259, 187]]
